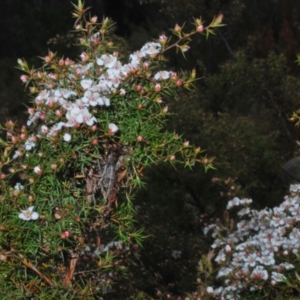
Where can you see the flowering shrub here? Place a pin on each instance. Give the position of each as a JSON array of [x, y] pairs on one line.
[[257, 256], [68, 177]]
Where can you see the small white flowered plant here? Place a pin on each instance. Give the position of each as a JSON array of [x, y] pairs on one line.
[[114, 113], [262, 249], [29, 214]]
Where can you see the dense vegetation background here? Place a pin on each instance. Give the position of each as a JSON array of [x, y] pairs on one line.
[[239, 111]]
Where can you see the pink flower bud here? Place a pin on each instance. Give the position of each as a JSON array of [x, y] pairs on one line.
[[33, 89], [38, 170], [197, 150], [173, 75], [61, 62], [184, 48], [42, 116], [53, 76], [95, 41], [186, 143], [95, 141], [112, 128], [68, 62], [162, 39], [53, 166], [138, 88], [179, 82], [24, 78], [50, 86], [14, 139], [157, 88], [2, 176], [165, 109], [200, 28], [93, 128], [51, 103], [38, 102], [65, 234], [23, 136], [177, 28], [47, 59], [122, 92], [16, 193], [84, 56], [94, 19], [139, 138], [10, 124], [58, 113], [31, 110]]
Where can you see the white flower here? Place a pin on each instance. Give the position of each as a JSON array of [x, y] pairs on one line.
[[19, 186], [55, 129], [176, 254], [260, 273], [150, 49], [244, 211], [107, 60], [228, 249], [162, 75], [294, 188], [65, 93], [67, 137], [235, 202], [29, 214], [91, 98], [77, 115], [286, 266], [17, 154], [30, 143], [134, 59], [86, 83], [221, 257], [278, 277]]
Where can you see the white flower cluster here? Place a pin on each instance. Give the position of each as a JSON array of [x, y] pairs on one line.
[[71, 106], [258, 251]]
